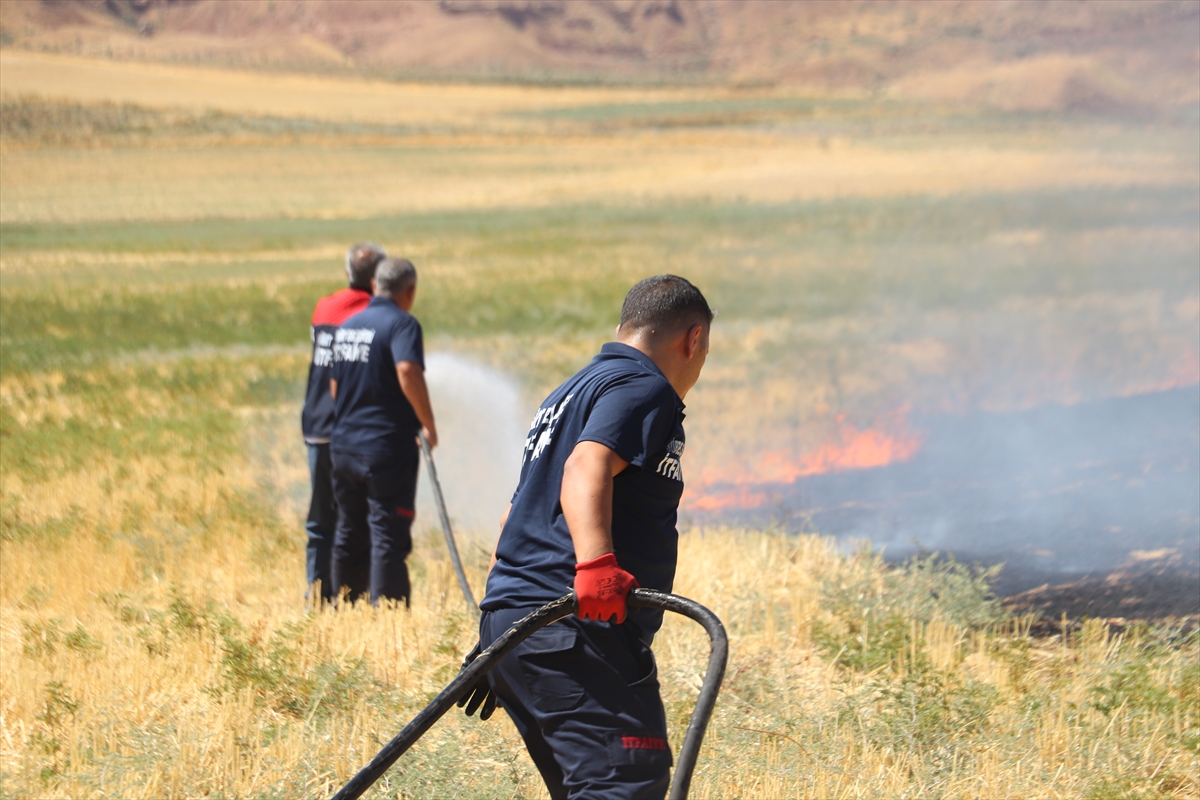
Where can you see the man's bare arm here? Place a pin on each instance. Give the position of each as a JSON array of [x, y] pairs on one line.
[[586, 497], [333, 388], [412, 383]]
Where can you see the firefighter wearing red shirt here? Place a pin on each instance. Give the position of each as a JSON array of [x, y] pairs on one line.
[[317, 417]]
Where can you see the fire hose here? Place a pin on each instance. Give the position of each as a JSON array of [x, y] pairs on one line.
[[552, 612], [447, 533]]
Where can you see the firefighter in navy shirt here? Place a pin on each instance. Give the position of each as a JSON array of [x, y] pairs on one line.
[[595, 510], [317, 418], [381, 403]]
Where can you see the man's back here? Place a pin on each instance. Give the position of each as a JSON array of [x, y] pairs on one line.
[[316, 420], [620, 400], [372, 414]]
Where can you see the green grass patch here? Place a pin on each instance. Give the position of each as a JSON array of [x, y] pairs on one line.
[[851, 221], [116, 413]]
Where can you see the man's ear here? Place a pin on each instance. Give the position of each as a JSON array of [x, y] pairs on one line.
[[691, 342]]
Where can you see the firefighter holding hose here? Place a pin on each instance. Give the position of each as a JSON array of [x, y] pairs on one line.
[[595, 511], [381, 404]]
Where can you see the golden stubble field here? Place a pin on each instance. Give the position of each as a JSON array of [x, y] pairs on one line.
[[153, 633], [212, 682]]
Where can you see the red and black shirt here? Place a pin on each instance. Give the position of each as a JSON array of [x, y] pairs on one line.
[[317, 417]]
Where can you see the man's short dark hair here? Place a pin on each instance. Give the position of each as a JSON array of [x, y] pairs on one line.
[[665, 303], [394, 275], [361, 261]]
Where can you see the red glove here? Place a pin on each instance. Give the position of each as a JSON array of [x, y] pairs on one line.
[[601, 587]]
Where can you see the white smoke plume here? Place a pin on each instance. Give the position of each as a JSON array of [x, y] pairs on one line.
[[481, 424]]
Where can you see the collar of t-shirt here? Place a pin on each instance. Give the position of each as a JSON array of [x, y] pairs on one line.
[[382, 299], [614, 350]]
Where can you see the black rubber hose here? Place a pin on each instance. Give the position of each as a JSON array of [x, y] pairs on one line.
[[551, 612], [713, 676], [447, 533]]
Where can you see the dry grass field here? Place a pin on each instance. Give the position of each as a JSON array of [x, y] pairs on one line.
[[212, 682], [165, 232], [423, 148]]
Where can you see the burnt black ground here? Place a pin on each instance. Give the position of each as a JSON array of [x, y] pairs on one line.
[[1155, 593]]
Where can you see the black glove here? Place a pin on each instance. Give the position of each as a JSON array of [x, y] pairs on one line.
[[480, 694]]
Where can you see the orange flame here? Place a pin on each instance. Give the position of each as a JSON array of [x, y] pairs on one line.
[[1184, 372], [854, 449]]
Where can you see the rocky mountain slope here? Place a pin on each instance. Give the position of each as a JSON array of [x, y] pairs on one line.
[[1111, 57]]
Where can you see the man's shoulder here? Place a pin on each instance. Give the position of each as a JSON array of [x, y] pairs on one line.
[[378, 316], [624, 381], [633, 377], [340, 306], [398, 323]]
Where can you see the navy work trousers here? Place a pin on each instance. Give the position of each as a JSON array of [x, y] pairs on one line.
[[375, 499], [584, 696], [322, 520]]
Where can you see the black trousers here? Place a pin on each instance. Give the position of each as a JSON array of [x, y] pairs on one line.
[[584, 696], [375, 501], [322, 520]]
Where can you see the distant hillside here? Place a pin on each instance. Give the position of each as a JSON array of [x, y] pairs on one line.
[[1105, 57]]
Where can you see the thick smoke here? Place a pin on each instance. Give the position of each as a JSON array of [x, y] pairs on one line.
[[1055, 492]]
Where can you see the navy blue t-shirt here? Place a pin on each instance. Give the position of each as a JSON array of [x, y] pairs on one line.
[[622, 401], [371, 414]]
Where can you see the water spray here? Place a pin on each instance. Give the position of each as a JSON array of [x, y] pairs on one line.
[[552, 612], [446, 531]]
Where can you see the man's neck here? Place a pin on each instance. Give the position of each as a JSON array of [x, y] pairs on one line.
[[656, 351]]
